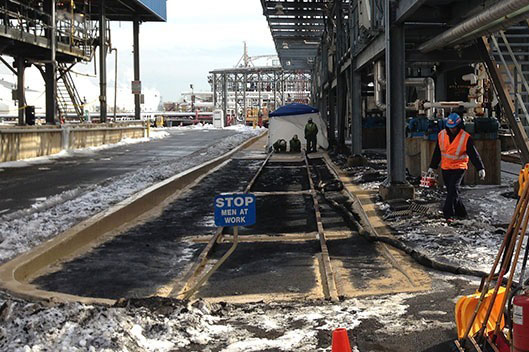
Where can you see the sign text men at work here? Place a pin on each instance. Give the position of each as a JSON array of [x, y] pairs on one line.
[[235, 210]]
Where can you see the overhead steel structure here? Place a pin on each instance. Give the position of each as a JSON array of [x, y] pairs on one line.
[[54, 35], [241, 91], [361, 51]]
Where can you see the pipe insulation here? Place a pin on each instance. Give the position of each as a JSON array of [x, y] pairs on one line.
[[490, 20]]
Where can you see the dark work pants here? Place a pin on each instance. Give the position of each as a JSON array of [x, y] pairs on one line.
[[311, 144], [453, 204]]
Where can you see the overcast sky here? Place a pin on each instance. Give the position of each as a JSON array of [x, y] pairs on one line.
[[199, 36]]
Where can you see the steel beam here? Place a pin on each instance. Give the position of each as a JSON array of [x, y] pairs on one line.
[[370, 53], [271, 5], [308, 36], [315, 16], [297, 26], [136, 49], [466, 55], [406, 8]]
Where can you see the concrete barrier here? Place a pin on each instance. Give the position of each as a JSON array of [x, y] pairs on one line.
[[24, 142], [16, 274]]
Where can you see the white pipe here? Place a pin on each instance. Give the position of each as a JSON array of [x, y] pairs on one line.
[[378, 82], [472, 78], [427, 82], [451, 104]]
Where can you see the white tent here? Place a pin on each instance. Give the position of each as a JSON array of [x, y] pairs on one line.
[[291, 119]]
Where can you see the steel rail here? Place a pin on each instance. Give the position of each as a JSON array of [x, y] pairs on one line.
[[329, 283], [189, 293]]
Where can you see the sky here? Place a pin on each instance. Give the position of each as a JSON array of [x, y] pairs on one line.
[[198, 37]]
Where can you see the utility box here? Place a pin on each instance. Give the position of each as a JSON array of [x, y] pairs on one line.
[[218, 119], [30, 115]]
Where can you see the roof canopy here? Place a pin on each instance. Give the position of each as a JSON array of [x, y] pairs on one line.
[[296, 27], [293, 109], [127, 10]]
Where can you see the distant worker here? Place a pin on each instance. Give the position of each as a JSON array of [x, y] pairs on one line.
[[295, 144], [311, 131], [280, 146], [453, 150]]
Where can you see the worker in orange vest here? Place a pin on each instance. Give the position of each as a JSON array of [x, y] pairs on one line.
[[453, 150]]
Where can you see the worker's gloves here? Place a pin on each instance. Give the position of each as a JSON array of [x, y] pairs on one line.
[[430, 171], [481, 174]]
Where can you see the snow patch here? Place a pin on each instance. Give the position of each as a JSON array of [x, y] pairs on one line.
[[24, 229]]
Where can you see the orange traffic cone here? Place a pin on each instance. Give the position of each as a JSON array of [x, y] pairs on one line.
[[340, 341]]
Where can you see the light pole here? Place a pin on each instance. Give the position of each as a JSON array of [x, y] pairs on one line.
[[192, 98]]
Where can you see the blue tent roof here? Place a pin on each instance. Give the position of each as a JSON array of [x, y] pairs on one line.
[[293, 109]]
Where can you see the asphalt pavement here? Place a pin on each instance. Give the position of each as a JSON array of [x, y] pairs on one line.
[[20, 187]]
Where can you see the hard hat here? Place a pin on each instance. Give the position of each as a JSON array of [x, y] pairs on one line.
[[453, 120]]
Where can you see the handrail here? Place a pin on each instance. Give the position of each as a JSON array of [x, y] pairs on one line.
[[517, 94], [75, 31]]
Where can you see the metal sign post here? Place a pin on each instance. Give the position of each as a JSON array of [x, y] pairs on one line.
[[231, 210]]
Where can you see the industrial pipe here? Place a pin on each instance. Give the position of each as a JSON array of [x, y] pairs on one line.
[[378, 82], [428, 83], [489, 20], [452, 104]]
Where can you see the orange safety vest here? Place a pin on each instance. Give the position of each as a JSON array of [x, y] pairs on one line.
[[453, 155]]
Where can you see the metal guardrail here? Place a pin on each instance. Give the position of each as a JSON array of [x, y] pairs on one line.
[[73, 28]]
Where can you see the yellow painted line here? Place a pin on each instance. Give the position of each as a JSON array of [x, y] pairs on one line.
[[408, 270]]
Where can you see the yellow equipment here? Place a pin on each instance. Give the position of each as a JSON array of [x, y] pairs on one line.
[[522, 178], [466, 305]]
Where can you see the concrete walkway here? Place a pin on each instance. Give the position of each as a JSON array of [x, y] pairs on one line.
[[20, 187]]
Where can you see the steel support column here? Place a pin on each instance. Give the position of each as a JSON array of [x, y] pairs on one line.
[[341, 84], [244, 97], [215, 91], [259, 90], [50, 76], [341, 94], [356, 107], [102, 63], [136, 49], [225, 95], [21, 96], [395, 186], [395, 100], [236, 95], [331, 117]]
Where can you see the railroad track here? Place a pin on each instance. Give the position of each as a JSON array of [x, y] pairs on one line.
[[345, 264], [206, 266], [300, 247]]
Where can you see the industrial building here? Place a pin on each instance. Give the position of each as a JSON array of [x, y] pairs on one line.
[[55, 35], [376, 65]]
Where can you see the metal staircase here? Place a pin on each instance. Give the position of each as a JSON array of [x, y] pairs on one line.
[[506, 55], [511, 49], [68, 98]]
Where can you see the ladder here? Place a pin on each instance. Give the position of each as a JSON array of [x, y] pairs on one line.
[[506, 55], [68, 98]]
